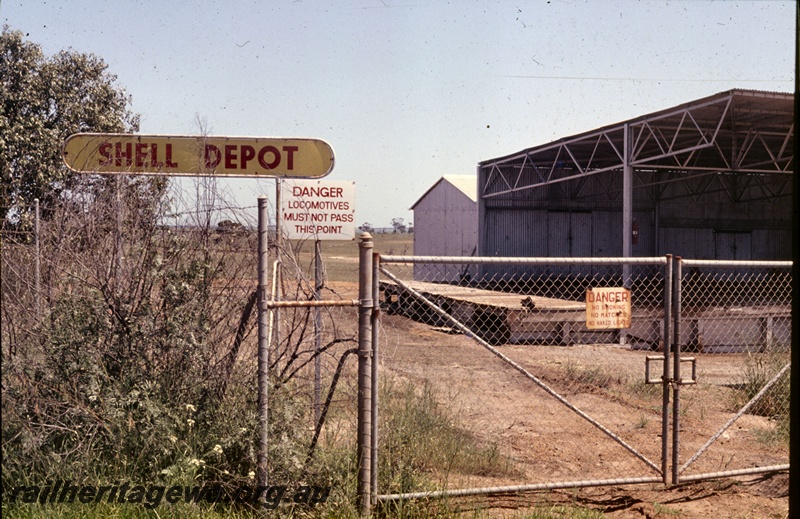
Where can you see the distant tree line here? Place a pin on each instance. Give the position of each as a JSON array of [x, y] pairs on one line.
[[398, 227]]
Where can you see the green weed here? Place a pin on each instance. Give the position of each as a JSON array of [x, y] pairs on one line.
[[758, 370], [421, 441]]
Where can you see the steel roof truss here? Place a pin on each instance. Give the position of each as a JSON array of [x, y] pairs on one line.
[[670, 140], [545, 183], [571, 156], [669, 152], [722, 156], [706, 136], [504, 178], [614, 147], [786, 140], [539, 174], [521, 170], [765, 189], [554, 163], [768, 195], [675, 137], [638, 148], [747, 143], [769, 151]]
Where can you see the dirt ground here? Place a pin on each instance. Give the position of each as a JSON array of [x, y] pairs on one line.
[[548, 441]]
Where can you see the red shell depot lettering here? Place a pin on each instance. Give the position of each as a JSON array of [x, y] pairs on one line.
[[140, 155], [234, 156]]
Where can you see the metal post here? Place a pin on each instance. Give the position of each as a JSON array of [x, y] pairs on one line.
[[118, 236], [376, 314], [627, 197], [676, 372], [37, 260], [317, 331], [364, 373], [278, 281], [627, 215], [263, 341], [278, 217], [667, 338]]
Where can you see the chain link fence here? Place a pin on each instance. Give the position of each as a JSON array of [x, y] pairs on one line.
[[734, 326], [313, 341], [142, 328], [503, 351], [530, 393], [491, 378]]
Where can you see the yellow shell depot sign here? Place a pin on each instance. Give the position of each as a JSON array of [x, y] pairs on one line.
[[197, 156]]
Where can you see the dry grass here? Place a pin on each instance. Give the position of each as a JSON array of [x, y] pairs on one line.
[[340, 258]]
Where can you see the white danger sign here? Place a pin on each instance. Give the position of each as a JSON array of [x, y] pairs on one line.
[[318, 210], [608, 308]]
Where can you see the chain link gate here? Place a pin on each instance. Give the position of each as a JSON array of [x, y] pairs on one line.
[[734, 320], [504, 345]]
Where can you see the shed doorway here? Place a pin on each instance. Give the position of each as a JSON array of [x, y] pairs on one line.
[[569, 234]]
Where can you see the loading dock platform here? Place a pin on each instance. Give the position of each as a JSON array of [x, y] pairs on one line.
[[504, 317]]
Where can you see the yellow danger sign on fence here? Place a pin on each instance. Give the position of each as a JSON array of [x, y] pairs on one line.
[[608, 308]]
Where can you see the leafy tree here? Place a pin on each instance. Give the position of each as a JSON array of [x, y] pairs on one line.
[[43, 100], [399, 225], [366, 227]]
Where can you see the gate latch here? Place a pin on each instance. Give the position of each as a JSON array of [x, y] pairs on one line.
[[660, 358], [693, 380], [647, 370]]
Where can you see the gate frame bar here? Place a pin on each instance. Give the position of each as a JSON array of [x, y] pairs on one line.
[[677, 469], [666, 261]]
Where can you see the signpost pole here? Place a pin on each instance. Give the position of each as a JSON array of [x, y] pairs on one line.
[[118, 235], [263, 341], [278, 271], [317, 330], [278, 219]]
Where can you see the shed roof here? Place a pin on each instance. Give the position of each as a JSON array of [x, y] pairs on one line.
[[737, 131], [467, 184]]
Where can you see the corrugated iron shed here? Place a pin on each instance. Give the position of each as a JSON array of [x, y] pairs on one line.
[[708, 179], [467, 184], [446, 224]]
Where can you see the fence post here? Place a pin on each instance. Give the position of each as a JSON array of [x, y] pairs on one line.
[[263, 341], [318, 282], [376, 321], [365, 373], [667, 338], [676, 372]]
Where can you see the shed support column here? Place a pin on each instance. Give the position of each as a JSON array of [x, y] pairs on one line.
[[627, 215], [482, 227], [627, 197]]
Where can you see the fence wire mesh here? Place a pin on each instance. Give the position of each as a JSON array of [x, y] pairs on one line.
[[735, 325], [502, 383], [139, 322], [490, 377]]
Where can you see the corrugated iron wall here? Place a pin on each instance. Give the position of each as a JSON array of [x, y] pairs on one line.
[[445, 224], [708, 216]]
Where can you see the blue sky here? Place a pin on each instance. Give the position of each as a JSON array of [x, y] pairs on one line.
[[408, 91]]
